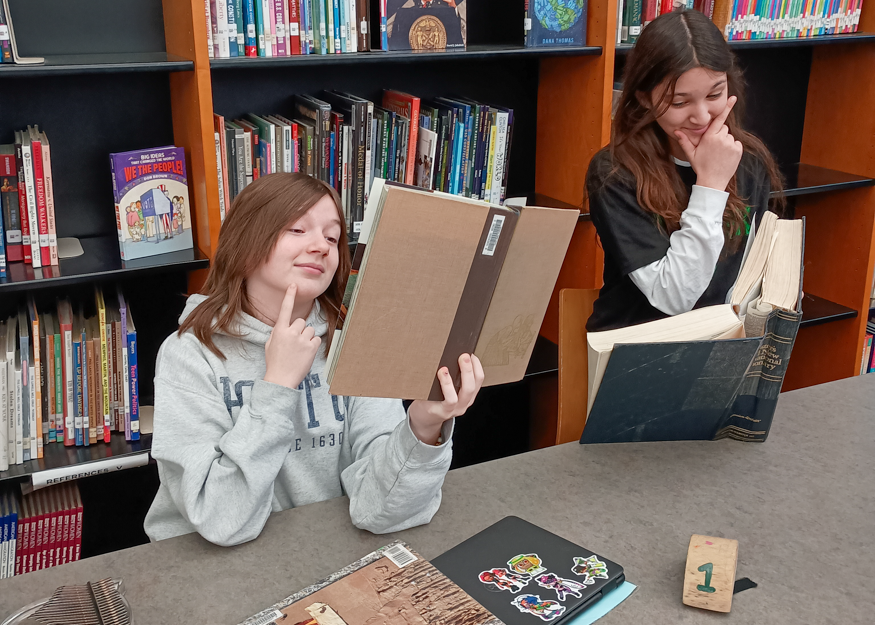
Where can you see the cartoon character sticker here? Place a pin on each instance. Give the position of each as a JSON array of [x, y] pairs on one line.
[[544, 609], [504, 580], [561, 585], [526, 564], [590, 568]]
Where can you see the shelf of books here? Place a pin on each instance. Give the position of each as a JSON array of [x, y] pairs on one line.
[[406, 56], [56, 65]]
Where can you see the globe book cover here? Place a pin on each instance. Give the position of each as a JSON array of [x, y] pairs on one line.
[[152, 209], [390, 585], [555, 23]]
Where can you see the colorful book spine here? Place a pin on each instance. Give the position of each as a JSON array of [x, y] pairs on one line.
[[294, 30], [270, 26], [50, 199], [279, 11], [250, 35], [32, 211], [5, 45], [231, 28], [40, 193], [77, 388]]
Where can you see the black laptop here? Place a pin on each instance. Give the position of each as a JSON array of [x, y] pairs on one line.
[[524, 574]]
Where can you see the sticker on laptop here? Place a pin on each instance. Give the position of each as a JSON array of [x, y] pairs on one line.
[[561, 585], [544, 609], [590, 568], [502, 579], [526, 564]]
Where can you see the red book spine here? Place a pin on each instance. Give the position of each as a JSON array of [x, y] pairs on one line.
[[23, 535], [22, 205], [40, 184], [296, 158], [9, 189], [64, 542], [294, 28], [77, 545]]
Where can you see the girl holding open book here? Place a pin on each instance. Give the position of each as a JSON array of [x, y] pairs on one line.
[[244, 424], [677, 195]]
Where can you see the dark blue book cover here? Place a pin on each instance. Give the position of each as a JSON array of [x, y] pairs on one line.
[[555, 23]]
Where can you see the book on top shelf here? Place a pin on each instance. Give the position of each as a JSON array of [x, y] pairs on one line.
[[709, 373], [555, 23], [151, 202], [432, 25]]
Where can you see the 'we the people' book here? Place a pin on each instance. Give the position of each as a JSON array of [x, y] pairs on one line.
[[152, 209]]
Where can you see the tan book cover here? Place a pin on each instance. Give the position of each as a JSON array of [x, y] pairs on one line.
[[422, 291]]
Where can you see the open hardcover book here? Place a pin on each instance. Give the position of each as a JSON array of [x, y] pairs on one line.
[[710, 373], [435, 276], [392, 584]]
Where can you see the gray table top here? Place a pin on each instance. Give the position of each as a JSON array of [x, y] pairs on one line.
[[801, 505]]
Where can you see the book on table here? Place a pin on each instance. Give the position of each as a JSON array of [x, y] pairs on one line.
[[436, 276], [709, 373]]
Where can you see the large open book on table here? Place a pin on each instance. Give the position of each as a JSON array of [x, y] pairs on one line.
[[710, 373], [438, 275]]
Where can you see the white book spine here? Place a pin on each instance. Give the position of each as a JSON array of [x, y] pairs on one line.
[[500, 146], [369, 151], [266, 11], [222, 25], [247, 154], [30, 193], [19, 419], [33, 415], [352, 41], [209, 29], [4, 421], [287, 152], [219, 173], [10, 405]]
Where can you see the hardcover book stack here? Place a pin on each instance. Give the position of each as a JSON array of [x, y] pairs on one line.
[[68, 375], [27, 219], [454, 145], [276, 28], [747, 19], [40, 530]]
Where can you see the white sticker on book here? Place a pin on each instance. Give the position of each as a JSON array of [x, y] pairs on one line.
[[364, 27], [494, 233], [356, 227], [4, 32], [271, 617], [239, 39], [293, 29], [400, 556], [528, 24], [250, 31]]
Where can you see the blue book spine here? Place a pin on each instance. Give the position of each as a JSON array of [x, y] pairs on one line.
[[86, 414], [135, 386], [333, 155], [251, 38], [344, 20], [259, 27], [77, 389], [232, 28], [5, 518], [303, 28], [457, 159], [384, 26], [465, 164], [13, 537]]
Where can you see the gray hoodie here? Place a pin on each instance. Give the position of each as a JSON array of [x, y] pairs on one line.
[[232, 448]]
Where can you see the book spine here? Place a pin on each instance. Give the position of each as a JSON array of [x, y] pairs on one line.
[[231, 29], [9, 197], [50, 204], [59, 398], [280, 18], [210, 42], [70, 397], [37, 382], [35, 421], [500, 146], [2, 245], [133, 385], [749, 418], [5, 45], [19, 417], [32, 210], [362, 11], [77, 390], [23, 211], [4, 422], [118, 212], [294, 28], [40, 194], [86, 390], [384, 25], [250, 47], [240, 25], [269, 28]]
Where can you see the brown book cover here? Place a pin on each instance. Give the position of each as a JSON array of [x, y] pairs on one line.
[[393, 584], [425, 294]]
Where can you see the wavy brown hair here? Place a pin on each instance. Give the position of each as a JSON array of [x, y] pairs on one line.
[[673, 44], [257, 218]]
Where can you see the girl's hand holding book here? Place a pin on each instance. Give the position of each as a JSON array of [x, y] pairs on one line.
[[716, 156], [291, 348], [427, 417]]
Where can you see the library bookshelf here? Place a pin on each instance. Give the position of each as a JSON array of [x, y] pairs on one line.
[[108, 86]]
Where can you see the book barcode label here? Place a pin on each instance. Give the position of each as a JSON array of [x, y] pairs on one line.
[[293, 29], [4, 32], [399, 556], [240, 39], [250, 31], [267, 619], [364, 27], [494, 233], [357, 227], [527, 25]]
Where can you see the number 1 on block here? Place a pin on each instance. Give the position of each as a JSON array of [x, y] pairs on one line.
[[716, 558]]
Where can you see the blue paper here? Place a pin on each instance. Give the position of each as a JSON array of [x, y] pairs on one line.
[[604, 605]]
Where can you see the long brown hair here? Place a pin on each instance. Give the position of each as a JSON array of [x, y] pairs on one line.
[[257, 218], [670, 46]]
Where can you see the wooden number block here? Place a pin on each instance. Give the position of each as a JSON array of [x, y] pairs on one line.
[[709, 579]]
